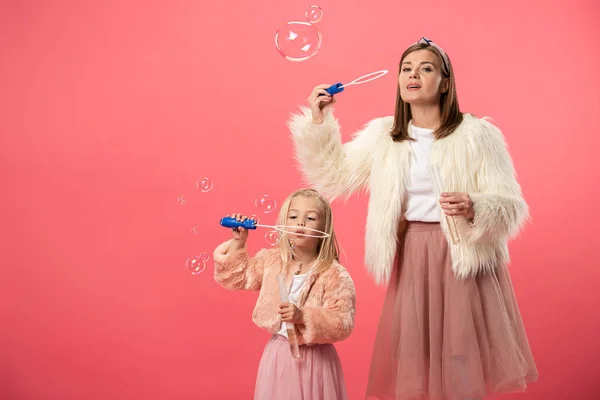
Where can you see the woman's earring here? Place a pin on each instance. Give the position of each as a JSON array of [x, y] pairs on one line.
[[291, 243]]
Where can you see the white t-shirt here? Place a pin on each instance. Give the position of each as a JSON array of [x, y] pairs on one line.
[[294, 296], [421, 200]]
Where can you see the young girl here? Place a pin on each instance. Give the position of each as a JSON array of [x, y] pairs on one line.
[[450, 326], [321, 294]]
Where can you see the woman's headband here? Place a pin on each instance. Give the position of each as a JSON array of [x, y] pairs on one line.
[[429, 42]]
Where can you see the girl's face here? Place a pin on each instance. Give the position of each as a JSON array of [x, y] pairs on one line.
[[421, 81], [304, 213]]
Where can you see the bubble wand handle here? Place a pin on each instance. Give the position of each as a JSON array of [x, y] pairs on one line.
[[291, 332], [230, 222], [335, 89]]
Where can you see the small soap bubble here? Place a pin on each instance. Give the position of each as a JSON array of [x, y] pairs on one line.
[[196, 265], [204, 257], [313, 14], [181, 200], [272, 237], [194, 230], [265, 204], [205, 185]]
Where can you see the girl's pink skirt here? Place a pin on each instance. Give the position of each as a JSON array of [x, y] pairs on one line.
[[444, 338], [317, 375]]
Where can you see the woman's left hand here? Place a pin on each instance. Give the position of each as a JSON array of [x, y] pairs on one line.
[[290, 313], [457, 204]]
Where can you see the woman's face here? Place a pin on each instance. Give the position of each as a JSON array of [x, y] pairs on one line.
[[421, 81]]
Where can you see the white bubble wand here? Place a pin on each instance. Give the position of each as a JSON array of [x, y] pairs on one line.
[[289, 326], [439, 183], [339, 87]]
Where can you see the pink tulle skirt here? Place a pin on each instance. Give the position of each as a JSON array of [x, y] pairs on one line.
[[444, 338], [317, 375]]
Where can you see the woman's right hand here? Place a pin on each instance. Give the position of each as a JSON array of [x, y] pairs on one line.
[[319, 105], [239, 234]]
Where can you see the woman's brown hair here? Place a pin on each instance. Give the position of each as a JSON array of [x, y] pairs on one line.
[[451, 116]]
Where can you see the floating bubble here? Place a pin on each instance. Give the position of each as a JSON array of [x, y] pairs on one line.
[[265, 204], [272, 237], [204, 257], [194, 230], [181, 200], [313, 14], [255, 218], [298, 41], [205, 185], [196, 265]]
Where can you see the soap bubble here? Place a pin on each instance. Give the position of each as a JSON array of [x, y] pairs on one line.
[[205, 185], [265, 204], [194, 230], [254, 217], [181, 200], [196, 265], [204, 257], [298, 41], [272, 237], [313, 14]]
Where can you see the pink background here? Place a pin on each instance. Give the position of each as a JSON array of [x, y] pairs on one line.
[[111, 110]]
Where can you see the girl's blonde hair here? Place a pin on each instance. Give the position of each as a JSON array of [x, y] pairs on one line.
[[328, 247]]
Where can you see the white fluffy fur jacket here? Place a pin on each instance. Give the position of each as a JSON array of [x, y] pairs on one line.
[[473, 159]]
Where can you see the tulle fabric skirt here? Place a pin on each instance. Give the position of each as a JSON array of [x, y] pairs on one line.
[[446, 338], [317, 375]]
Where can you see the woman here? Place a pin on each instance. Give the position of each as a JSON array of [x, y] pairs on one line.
[[450, 326]]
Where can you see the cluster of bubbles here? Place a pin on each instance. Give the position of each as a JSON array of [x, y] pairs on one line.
[[204, 184], [296, 41], [300, 40], [265, 204], [197, 264]]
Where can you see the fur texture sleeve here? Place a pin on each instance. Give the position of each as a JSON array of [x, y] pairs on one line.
[[333, 169], [500, 210], [334, 320], [235, 270]]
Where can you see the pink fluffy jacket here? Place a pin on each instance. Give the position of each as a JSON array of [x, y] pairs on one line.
[[327, 299]]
